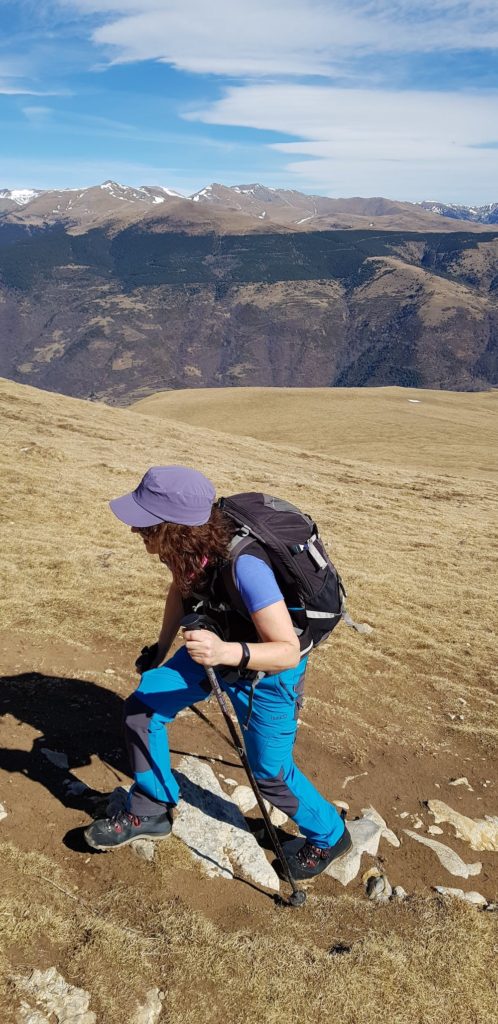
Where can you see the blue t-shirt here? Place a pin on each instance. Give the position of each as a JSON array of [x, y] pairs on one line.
[[256, 583]]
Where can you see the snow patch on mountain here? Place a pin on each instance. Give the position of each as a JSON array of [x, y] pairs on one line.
[[20, 196]]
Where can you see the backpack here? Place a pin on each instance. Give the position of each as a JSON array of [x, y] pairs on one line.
[[288, 540]]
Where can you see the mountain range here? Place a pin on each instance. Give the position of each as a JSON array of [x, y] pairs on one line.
[[116, 293], [255, 204]]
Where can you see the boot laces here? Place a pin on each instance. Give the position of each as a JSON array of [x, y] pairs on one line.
[[309, 855], [121, 820]]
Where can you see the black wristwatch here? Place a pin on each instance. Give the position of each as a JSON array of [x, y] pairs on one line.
[[246, 657]]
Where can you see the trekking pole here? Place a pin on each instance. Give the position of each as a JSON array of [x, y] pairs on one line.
[[298, 896]]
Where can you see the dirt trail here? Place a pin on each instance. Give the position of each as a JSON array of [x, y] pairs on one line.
[[65, 698]]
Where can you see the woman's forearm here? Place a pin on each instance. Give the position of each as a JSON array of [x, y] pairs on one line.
[[173, 614], [273, 657]]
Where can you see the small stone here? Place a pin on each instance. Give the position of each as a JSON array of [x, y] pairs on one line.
[[462, 701], [469, 897], [372, 872], [110, 672], [387, 834], [54, 997], [143, 848], [399, 893], [379, 888], [447, 857], [463, 781], [230, 782], [341, 805], [277, 817], [417, 822], [365, 835], [481, 834], [3, 812], [434, 830], [404, 814], [245, 799], [151, 1011], [56, 757]]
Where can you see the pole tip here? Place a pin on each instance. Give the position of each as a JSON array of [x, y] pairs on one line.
[[297, 898]]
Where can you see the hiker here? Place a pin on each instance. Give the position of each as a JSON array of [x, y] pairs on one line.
[[259, 664]]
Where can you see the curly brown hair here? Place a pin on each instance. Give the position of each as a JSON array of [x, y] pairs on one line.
[[189, 551]]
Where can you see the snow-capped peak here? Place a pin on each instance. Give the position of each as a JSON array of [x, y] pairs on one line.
[[21, 196]]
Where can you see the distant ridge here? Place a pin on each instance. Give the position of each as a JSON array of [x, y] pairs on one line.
[[254, 204]]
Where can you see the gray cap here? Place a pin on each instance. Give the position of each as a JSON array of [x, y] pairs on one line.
[[167, 494]]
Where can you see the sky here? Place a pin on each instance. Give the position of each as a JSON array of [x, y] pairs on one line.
[[391, 98]]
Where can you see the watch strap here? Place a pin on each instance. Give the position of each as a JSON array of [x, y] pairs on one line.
[[246, 656]]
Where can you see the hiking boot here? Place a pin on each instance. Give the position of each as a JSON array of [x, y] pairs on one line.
[[310, 860], [123, 828]]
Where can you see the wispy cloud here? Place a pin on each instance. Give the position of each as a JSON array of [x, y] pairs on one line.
[[372, 142], [285, 37]]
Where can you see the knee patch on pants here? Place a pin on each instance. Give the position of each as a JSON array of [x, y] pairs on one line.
[[278, 793], [137, 725]]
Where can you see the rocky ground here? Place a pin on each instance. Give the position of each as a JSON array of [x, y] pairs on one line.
[[399, 725]]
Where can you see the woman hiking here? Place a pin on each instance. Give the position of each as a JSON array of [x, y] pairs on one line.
[[258, 662]]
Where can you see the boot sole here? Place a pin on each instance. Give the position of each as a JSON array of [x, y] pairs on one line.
[[126, 842]]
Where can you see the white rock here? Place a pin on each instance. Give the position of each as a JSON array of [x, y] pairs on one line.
[[387, 834], [365, 835], [48, 995], [481, 834], [143, 848], [404, 814], [277, 817], [244, 798], [379, 888], [56, 757], [434, 830], [469, 897], [214, 829], [447, 857], [341, 805], [351, 778], [230, 782], [463, 781], [150, 1012], [3, 812], [399, 893]]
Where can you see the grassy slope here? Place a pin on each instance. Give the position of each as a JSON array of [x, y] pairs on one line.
[[447, 432], [415, 547]]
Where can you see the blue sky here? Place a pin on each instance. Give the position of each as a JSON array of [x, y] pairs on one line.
[[367, 97]]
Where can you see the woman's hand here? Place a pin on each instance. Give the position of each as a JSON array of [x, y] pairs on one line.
[[205, 647]]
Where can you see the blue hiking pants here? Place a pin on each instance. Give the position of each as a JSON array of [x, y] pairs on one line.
[[268, 729]]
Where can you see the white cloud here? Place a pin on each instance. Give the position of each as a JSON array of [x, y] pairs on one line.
[[291, 37], [354, 141], [37, 116]]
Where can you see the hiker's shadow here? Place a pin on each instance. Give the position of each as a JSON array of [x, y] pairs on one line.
[[75, 717], [81, 720]]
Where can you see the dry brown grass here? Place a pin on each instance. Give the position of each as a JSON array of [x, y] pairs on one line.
[[415, 545], [423, 961]]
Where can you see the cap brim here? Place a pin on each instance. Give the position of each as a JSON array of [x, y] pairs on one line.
[[130, 512]]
